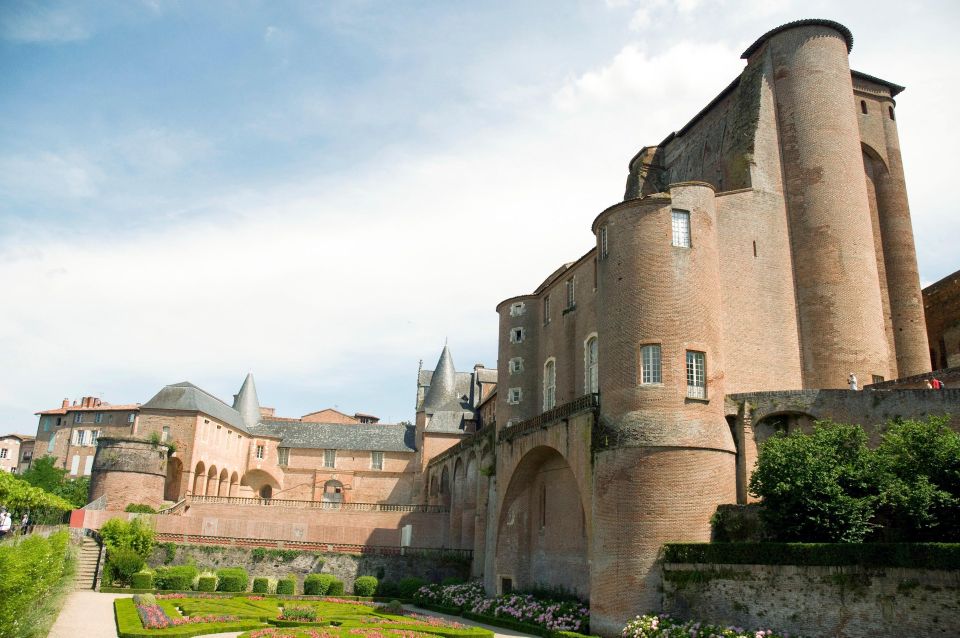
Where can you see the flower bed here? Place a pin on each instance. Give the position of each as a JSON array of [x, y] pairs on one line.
[[551, 615], [663, 626]]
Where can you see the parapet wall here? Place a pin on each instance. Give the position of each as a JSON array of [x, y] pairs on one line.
[[844, 602]]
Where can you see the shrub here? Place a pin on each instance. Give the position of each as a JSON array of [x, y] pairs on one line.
[[664, 626], [408, 586], [908, 555], [207, 583], [261, 585], [258, 554], [140, 508], [394, 607], [123, 564], [232, 579], [299, 612], [336, 588], [287, 586], [365, 586], [387, 588], [452, 580], [169, 552], [318, 584], [816, 487], [142, 580], [135, 535], [178, 577], [30, 570]]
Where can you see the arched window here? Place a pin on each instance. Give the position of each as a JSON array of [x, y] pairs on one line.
[[333, 492], [266, 492], [592, 380], [549, 384]]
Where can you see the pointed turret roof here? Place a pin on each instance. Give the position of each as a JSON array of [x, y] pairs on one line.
[[247, 403], [442, 393]]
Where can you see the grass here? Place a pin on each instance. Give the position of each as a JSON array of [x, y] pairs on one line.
[[40, 619], [334, 619]]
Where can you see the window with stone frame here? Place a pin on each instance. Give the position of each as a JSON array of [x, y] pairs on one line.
[[329, 458], [516, 365], [650, 364], [376, 460], [517, 335], [591, 355], [283, 456], [260, 451], [517, 308], [696, 375], [4, 453], [514, 395], [680, 220], [549, 384]]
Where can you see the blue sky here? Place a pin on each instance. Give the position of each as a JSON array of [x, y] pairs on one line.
[[321, 193]]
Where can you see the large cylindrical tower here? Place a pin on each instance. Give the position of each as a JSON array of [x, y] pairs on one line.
[[665, 457], [900, 258], [128, 470], [517, 392], [839, 305]]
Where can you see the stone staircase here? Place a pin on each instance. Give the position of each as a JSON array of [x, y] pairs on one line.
[[87, 563]]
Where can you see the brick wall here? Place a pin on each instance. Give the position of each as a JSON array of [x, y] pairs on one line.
[[941, 303]]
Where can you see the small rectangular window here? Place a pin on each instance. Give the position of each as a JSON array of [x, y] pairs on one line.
[[514, 396], [46, 424], [329, 458], [166, 433], [650, 370], [259, 451], [571, 294], [376, 460], [98, 418], [516, 335], [516, 365], [3, 453], [517, 309], [75, 464], [94, 436], [681, 228], [88, 465], [131, 417], [78, 417], [696, 375], [604, 247], [546, 310], [283, 456], [59, 420], [877, 378]]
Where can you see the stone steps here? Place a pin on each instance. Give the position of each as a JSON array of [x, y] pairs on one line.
[[87, 564]]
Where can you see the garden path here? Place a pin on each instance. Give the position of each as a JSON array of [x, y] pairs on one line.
[[498, 632]]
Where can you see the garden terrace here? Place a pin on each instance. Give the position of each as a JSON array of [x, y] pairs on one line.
[[307, 546], [313, 505]]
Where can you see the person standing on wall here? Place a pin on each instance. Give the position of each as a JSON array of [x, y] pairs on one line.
[[852, 380]]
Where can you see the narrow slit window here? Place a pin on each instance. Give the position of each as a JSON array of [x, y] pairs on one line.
[[863, 106], [571, 293], [890, 111], [604, 247], [259, 451], [546, 310]]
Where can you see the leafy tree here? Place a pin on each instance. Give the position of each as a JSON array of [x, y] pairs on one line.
[[135, 535], [44, 474], [19, 496], [817, 487], [917, 465]]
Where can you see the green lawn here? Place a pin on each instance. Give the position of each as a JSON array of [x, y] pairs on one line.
[[264, 617]]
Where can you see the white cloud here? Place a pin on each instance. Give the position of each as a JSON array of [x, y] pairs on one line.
[[70, 175], [37, 23]]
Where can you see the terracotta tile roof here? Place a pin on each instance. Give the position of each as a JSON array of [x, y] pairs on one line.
[[103, 407]]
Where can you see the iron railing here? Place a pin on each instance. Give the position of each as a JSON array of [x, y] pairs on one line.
[[548, 418], [315, 505]]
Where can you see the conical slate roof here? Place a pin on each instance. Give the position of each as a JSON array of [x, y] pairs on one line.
[[247, 403], [442, 393]]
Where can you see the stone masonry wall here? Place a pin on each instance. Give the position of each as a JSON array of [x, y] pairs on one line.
[[346, 567], [848, 602]]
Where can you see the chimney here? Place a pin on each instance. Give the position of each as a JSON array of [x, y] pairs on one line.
[[74, 402], [65, 404], [478, 366]]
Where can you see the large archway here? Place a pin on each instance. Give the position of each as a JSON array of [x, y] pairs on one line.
[[171, 488], [212, 478], [260, 483], [200, 479], [333, 492], [541, 531]]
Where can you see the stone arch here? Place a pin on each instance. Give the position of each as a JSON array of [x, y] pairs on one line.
[[213, 476], [223, 488], [445, 486], [541, 527], [234, 485], [434, 490], [785, 421], [333, 491], [257, 480], [172, 486], [456, 503], [200, 479]]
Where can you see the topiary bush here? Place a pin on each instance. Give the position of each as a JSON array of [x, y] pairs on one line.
[[394, 607], [336, 588], [123, 564], [365, 586], [261, 585], [287, 586], [388, 588], [408, 586], [207, 583], [232, 579], [142, 580], [177, 577], [318, 584], [140, 508]]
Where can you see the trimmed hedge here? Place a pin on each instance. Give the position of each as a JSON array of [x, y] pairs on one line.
[[207, 583], [407, 587], [233, 579], [142, 580], [287, 586], [336, 588], [177, 577], [319, 584], [441, 609], [365, 586], [261, 585], [528, 628], [916, 555], [30, 572], [130, 626]]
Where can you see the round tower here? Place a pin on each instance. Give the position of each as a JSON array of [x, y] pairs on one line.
[[839, 305], [517, 369], [665, 456], [128, 470]]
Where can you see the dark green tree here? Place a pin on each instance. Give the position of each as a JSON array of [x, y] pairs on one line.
[[44, 473], [817, 487]]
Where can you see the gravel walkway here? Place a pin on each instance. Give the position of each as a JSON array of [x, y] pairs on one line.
[[90, 614]]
